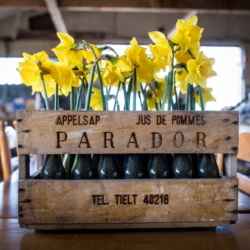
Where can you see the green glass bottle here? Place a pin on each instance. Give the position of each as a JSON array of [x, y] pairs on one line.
[[182, 167], [82, 168], [207, 166], [53, 168], [108, 167], [133, 167], [158, 167], [68, 161], [95, 162]]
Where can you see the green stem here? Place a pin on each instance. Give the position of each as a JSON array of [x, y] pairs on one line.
[[78, 101], [101, 87], [72, 98], [192, 97], [201, 98], [156, 106], [129, 91], [187, 97], [165, 93], [88, 96], [56, 106], [145, 107], [45, 92], [107, 97], [170, 90], [117, 92], [139, 94], [134, 91], [125, 96], [176, 99]]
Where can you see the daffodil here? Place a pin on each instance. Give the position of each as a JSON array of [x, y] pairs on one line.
[[185, 57], [64, 77], [207, 96], [180, 76], [111, 76], [151, 100], [96, 102], [136, 54], [188, 34], [200, 70], [31, 69], [146, 72], [64, 51], [161, 49]]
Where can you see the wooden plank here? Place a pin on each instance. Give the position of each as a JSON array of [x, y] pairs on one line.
[[125, 225], [230, 165], [24, 166], [107, 132], [244, 183], [121, 201]]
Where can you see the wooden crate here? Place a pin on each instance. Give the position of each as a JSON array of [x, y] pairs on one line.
[[104, 204]]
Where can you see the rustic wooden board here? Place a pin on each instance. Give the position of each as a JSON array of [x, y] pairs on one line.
[[72, 202], [58, 132]]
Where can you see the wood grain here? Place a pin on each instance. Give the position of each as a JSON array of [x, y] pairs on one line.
[[42, 132], [71, 202]]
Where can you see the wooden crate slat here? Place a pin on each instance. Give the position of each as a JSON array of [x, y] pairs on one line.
[[67, 202], [59, 132]]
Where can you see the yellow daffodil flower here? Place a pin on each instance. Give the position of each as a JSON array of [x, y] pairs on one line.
[[161, 49], [159, 86], [200, 70], [64, 52], [64, 76], [136, 54], [207, 96], [146, 72], [188, 34], [95, 101], [151, 99], [180, 76], [111, 76], [30, 72]]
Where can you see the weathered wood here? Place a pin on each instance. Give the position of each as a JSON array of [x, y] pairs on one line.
[[59, 132], [244, 183], [125, 225], [72, 202], [230, 165], [24, 166]]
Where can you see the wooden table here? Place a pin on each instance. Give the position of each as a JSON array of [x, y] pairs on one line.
[[13, 238]]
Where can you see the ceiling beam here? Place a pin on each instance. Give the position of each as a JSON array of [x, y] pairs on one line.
[[150, 6], [56, 16]]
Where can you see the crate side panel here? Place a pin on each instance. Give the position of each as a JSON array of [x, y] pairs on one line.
[[106, 132], [96, 201]]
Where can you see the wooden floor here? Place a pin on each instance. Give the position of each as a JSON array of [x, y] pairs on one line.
[[13, 238]]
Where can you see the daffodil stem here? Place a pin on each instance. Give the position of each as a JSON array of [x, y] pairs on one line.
[[45, 92], [88, 95], [170, 90], [201, 98], [165, 93], [101, 87], [187, 97], [139, 94], [130, 87], [156, 106], [72, 98], [107, 98], [125, 96], [134, 91], [192, 104], [78, 101], [56, 106], [116, 96], [176, 99], [145, 107]]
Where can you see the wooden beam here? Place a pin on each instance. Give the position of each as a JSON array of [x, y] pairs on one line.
[[56, 16], [150, 6]]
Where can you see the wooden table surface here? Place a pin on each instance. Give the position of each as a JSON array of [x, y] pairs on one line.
[[13, 238]]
